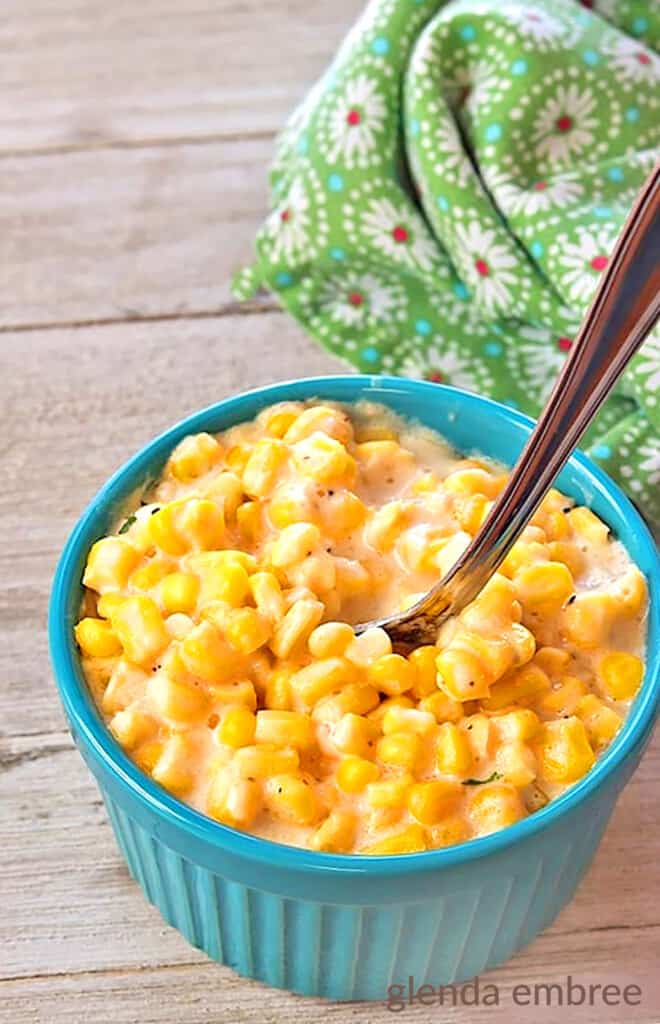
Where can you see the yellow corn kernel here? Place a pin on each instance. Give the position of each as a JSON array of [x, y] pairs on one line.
[[178, 592], [465, 482], [110, 562], [285, 728], [97, 639], [263, 467], [365, 649], [323, 458], [422, 660], [389, 793], [461, 674], [320, 678], [342, 512], [629, 592], [451, 830], [570, 554], [620, 674], [295, 543], [249, 517], [426, 483], [295, 627], [403, 749], [398, 719], [234, 693], [379, 712], [194, 456], [453, 753], [586, 525], [449, 551], [174, 768], [479, 732], [442, 707], [132, 726], [178, 625], [521, 724], [392, 674], [225, 489], [148, 576], [411, 840], [267, 595], [234, 802], [523, 552], [237, 457], [385, 525], [563, 697], [237, 727], [354, 734], [602, 723], [355, 773], [147, 754], [336, 834], [126, 684], [264, 760], [140, 629], [544, 587], [247, 630], [223, 580], [280, 419], [206, 654], [332, 422], [552, 660], [316, 573], [107, 604], [522, 642], [495, 806], [522, 686], [516, 763], [472, 512], [352, 577], [293, 799], [355, 698], [330, 640], [564, 751], [176, 700], [374, 432], [164, 528], [430, 802], [278, 690]]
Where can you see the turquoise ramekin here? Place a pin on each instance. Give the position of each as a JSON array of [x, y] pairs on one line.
[[348, 927]]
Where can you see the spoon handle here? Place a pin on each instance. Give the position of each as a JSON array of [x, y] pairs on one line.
[[625, 308]]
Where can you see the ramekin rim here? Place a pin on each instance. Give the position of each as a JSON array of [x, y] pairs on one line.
[[90, 727]]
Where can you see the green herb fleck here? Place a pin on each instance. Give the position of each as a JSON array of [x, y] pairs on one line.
[[126, 525], [481, 782]]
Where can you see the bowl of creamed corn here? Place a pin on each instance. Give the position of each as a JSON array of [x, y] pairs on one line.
[[308, 805]]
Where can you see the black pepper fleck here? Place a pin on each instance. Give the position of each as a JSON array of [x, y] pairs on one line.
[[572, 598]]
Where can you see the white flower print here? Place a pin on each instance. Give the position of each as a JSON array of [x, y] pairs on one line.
[[633, 63], [355, 124], [288, 226], [648, 364], [536, 358], [583, 261], [360, 299], [470, 88], [535, 24], [453, 162], [565, 124], [487, 265], [649, 461], [445, 363], [537, 197], [400, 232]]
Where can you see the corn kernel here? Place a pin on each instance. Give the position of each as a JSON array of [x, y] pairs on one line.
[[323, 418], [223, 580], [620, 674], [110, 562], [178, 592], [176, 700], [479, 732], [351, 577], [398, 719], [278, 690], [264, 760], [194, 456], [602, 722], [140, 629], [323, 458], [411, 840], [173, 769], [320, 678], [285, 728], [107, 604], [382, 708], [132, 726], [422, 660], [249, 519], [267, 595], [280, 419], [389, 793], [453, 753], [147, 754], [330, 639], [247, 630], [552, 660], [495, 806], [451, 830], [392, 674], [292, 799], [521, 724], [355, 773], [126, 684], [294, 544], [461, 674], [206, 654], [234, 693], [317, 573], [520, 686], [516, 763], [472, 512], [148, 576], [588, 526], [565, 754], [263, 467], [385, 525], [97, 639], [561, 700], [630, 592], [225, 489], [544, 587], [342, 512], [430, 802], [442, 707], [336, 834], [237, 727], [295, 627], [354, 734], [570, 554], [403, 749], [368, 647], [587, 621], [234, 802]]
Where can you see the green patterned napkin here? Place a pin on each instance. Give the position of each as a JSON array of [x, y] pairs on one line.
[[445, 199]]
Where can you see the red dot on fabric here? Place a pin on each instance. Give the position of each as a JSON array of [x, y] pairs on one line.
[[564, 123], [540, 186], [435, 377], [285, 215], [482, 268], [643, 58], [587, 3], [564, 344], [599, 263], [399, 234], [353, 117], [355, 298]]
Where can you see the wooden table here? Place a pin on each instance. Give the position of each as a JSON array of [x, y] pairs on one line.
[[134, 141]]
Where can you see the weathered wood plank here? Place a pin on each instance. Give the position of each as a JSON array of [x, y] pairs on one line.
[[74, 406], [85, 72]]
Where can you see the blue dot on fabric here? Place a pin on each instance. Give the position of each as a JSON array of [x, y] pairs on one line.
[[380, 45], [337, 254], [632, 114], [601, 451], [283, 279], [602, 212], [460, 291], [615, 174], [414, 126], [422, 327], [442, 203], [639, 25], [519, 67], [468, 32], [335, 182], [537, 249], [303, 145], [370, 355], [511, 402], [493, 348], [591, 57], [493, 132]]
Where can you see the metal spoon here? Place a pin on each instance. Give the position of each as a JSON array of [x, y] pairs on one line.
[[625, 308]]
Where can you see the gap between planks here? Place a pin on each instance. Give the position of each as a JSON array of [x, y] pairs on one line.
[[155, 142]]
